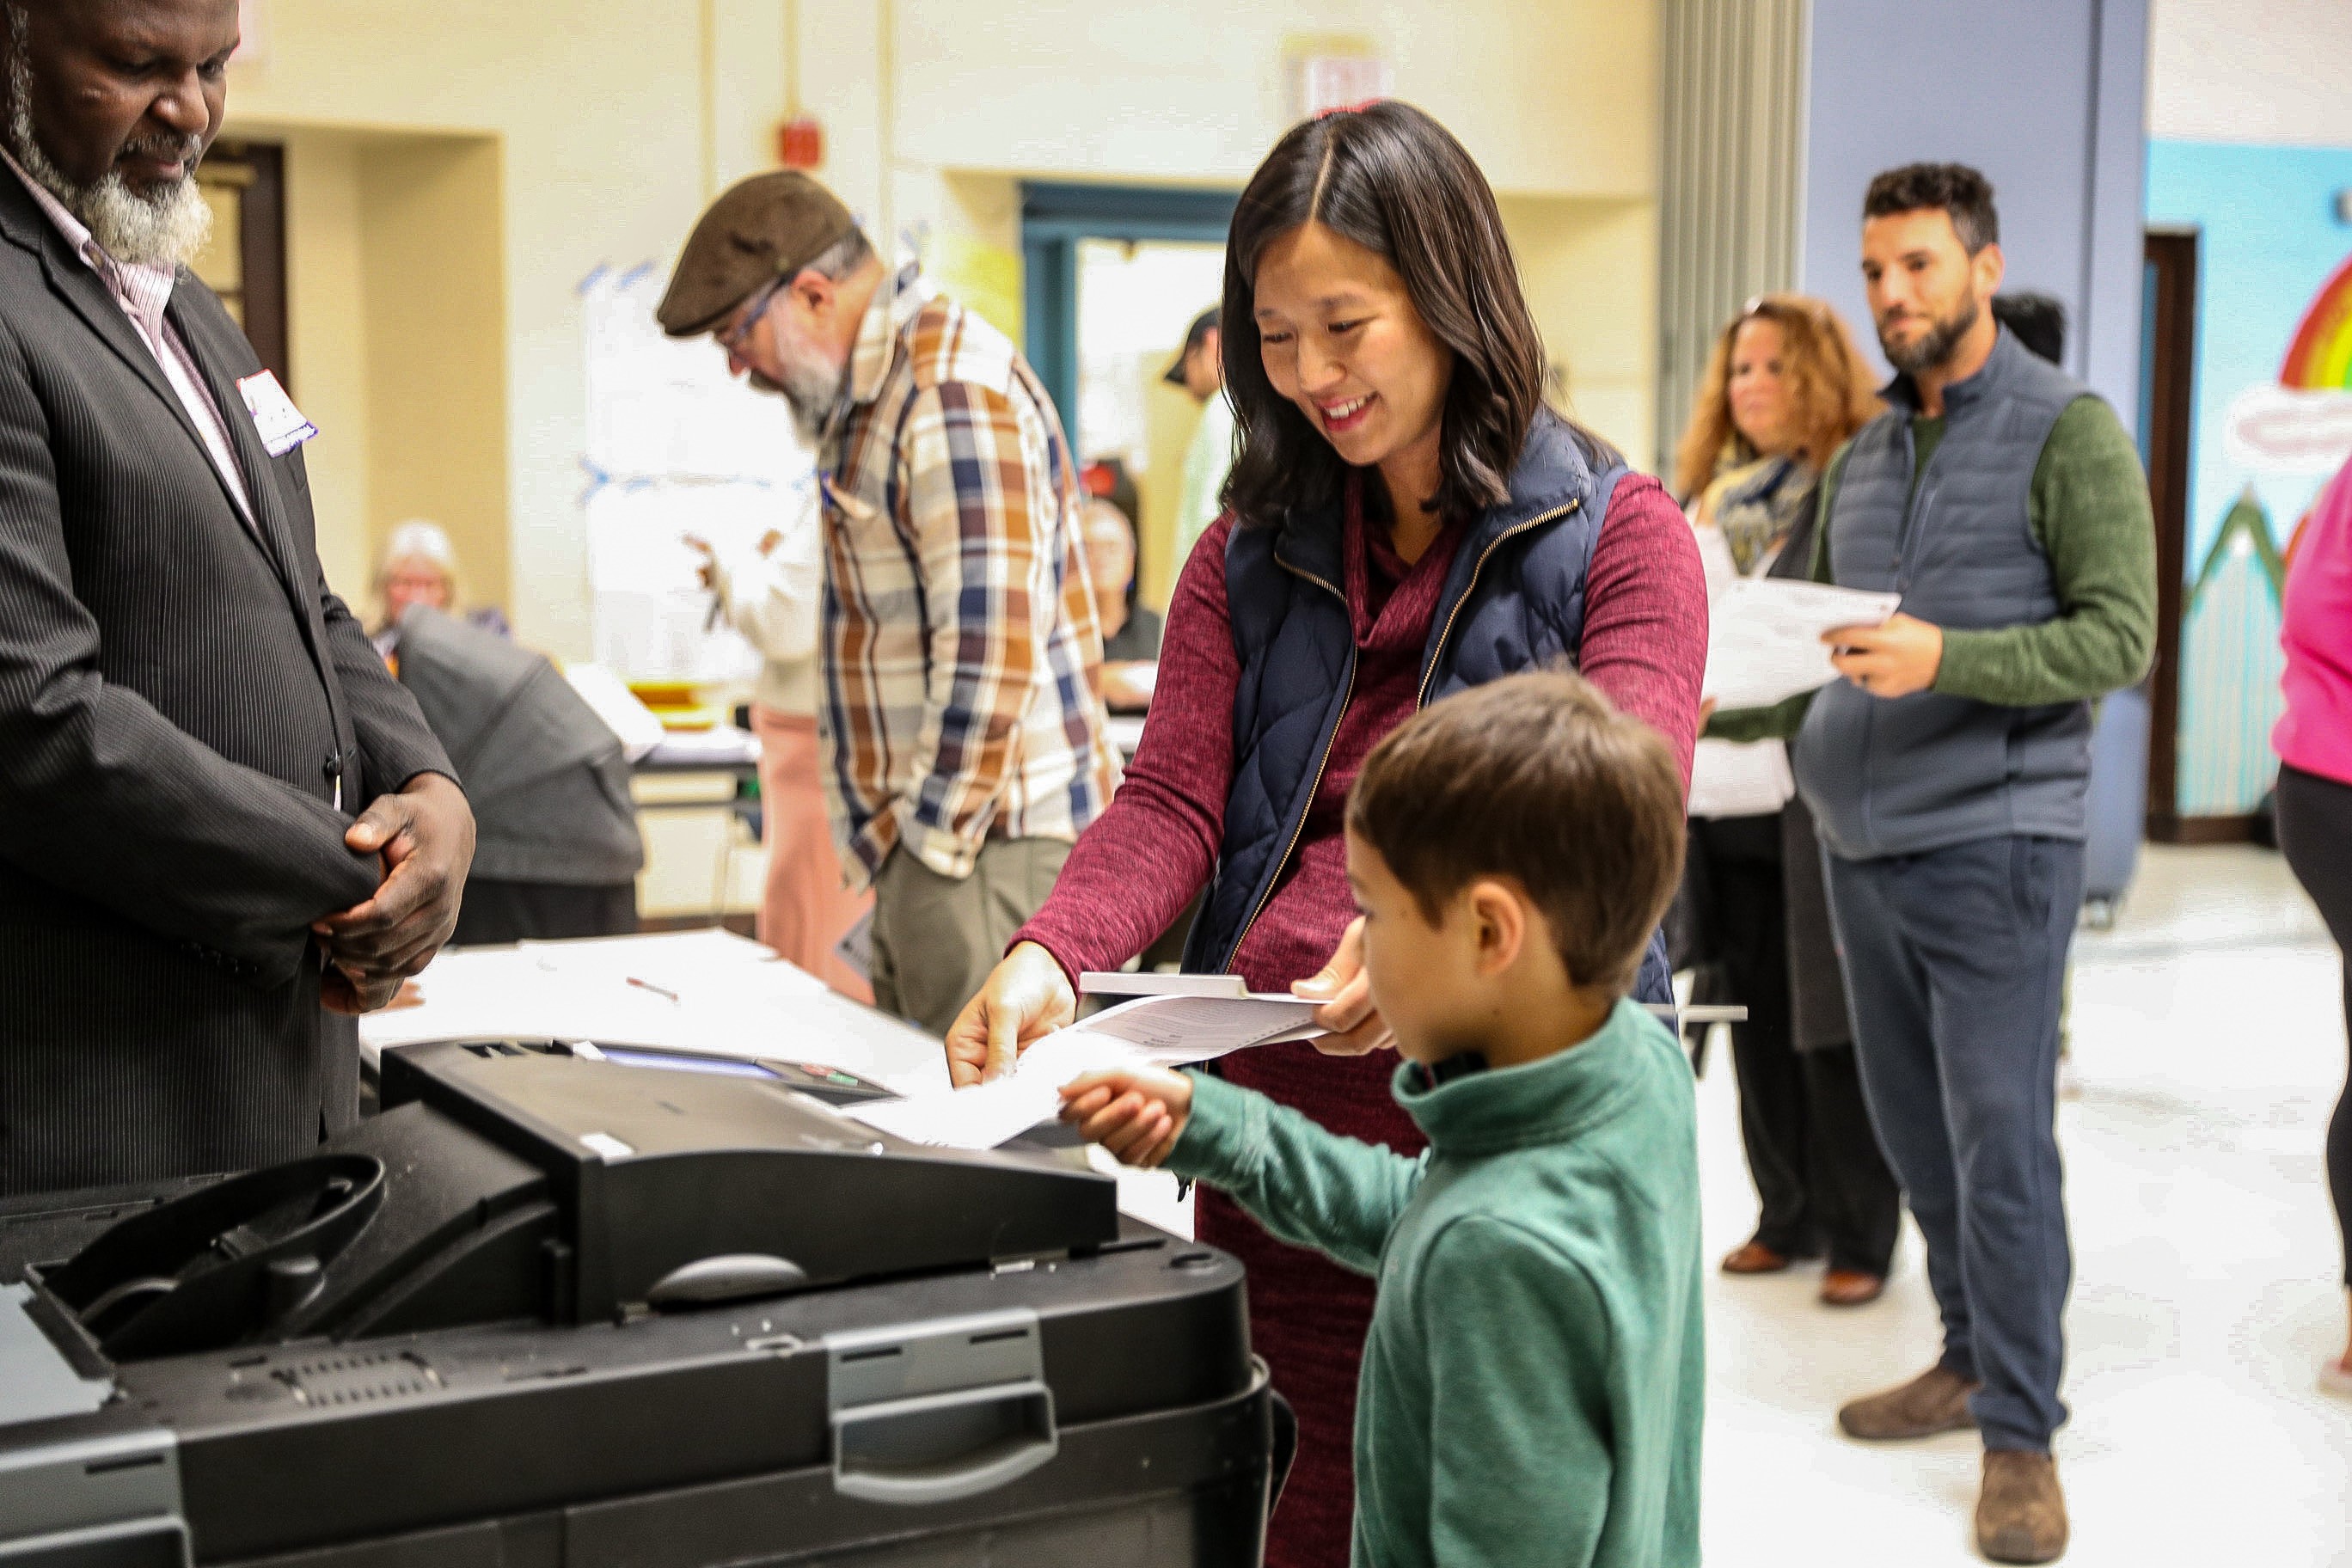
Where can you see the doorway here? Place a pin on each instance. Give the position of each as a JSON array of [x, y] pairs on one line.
[[1113, 277], [244, 183], [2168, 419]]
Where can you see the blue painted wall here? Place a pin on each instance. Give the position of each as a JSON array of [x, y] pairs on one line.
[[2044, 96]]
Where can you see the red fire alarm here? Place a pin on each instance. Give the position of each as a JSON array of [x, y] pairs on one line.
[[800, 143]]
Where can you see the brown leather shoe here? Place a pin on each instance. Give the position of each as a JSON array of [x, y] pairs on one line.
[[1754, 1257], [1935, 1401], [2021, 1513], [1851, 1288]]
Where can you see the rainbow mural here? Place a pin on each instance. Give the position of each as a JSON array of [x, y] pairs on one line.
[[2272, 393], [2230, 654], [2319, 356]]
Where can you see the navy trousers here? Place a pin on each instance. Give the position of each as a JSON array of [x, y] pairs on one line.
[[1954, 963]]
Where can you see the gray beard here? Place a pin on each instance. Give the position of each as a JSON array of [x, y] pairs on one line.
[[1933, 347], [811, 392], [170, 228]]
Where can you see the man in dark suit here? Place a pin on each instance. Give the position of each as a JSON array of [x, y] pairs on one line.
[[189, 912]]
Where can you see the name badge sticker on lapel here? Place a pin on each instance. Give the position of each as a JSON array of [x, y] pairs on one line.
[[280, 423]]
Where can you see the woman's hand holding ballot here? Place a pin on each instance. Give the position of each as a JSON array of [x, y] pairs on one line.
[[1346, 993], [1026, 998], [1892, 659]]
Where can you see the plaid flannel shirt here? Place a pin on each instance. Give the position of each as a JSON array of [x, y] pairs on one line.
[[962, 658]]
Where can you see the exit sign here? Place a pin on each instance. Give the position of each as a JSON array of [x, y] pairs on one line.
[[1325, 82]]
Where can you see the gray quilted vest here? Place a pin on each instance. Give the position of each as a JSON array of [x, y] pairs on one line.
[[1924, 772]]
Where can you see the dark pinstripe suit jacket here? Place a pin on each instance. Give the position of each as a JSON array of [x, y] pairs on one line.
[[175, 687]]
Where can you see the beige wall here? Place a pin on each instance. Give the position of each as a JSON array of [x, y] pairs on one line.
[[2250, 70], [606, 153], [326, 272], [1196, 92], [436, 347], [396, 300], [504, 151], [1589, 269]]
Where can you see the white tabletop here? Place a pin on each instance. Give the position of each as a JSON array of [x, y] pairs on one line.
[[705, 991]]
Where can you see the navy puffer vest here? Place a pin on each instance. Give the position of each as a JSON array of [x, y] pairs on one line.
[[1513, 600]]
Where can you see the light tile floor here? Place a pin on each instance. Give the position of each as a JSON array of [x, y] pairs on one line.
[[2207, 1051]]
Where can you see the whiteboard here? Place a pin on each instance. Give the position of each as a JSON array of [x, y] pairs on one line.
[[675, 447]]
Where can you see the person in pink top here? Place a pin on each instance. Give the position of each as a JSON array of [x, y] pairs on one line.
[[1406, 518], [2314, 741]]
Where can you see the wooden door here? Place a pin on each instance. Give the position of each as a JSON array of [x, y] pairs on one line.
[[2168, 415]]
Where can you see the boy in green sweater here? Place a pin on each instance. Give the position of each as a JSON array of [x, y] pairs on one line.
[[1533, 1381]]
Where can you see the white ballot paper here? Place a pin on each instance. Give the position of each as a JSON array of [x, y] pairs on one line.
[[1731, 778], [1118, 982], [1153, 1031], [1765, 642]]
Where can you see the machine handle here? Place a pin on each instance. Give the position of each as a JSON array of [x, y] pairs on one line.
[[942, 1448]]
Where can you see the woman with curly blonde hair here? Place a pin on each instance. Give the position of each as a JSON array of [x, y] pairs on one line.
[[1784, 389]]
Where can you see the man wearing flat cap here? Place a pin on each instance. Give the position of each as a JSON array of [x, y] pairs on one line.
[[964, 740]]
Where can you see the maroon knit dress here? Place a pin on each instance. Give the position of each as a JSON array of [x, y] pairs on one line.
[[1135, 870]]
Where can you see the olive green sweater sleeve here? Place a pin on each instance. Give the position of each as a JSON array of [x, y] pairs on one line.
[[2089, 507]]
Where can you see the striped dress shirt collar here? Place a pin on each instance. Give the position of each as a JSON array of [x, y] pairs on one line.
[[145, 293]]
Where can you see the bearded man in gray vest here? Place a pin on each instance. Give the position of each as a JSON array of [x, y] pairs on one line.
[[1948, 770]]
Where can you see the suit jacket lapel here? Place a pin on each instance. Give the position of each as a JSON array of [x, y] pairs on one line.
[[260, 468], [74, 281]]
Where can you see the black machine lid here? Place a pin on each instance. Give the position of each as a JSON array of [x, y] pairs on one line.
[[663, 1171]]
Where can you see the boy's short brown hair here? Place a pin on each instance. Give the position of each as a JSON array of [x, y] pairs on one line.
[[1535, 778]]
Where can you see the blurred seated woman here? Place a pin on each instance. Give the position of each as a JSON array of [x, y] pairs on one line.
[[419, 567], [1784, 389], [1130, 632], [556, 852]]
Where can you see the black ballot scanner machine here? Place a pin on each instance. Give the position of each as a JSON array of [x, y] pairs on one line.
[[557, 1308]]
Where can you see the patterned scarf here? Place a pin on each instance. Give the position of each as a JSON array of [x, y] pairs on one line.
[[1757, 504]]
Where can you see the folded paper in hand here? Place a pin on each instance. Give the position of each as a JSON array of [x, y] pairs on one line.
[[1765, 642], [1151, 1031], [1731, 778]]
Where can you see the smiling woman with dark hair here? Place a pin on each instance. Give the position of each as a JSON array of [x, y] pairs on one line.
[[1389, 186], [1406, 518]]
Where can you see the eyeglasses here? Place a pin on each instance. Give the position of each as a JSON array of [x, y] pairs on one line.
[[732, 339]]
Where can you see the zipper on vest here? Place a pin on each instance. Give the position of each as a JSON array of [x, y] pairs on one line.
[[1347, 695], [1420, 698], [1915, 504], [1348, 691]]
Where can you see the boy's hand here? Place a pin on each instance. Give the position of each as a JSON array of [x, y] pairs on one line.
[[1138, 1115]]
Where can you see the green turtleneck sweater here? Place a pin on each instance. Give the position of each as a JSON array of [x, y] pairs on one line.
[[1534, 1379]]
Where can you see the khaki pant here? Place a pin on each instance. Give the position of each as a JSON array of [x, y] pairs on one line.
[[808, 908], [935, 938]]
